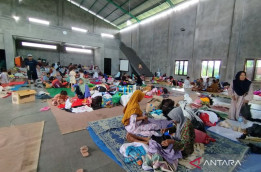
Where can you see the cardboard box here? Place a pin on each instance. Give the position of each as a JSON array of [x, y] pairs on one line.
[[23, 96]]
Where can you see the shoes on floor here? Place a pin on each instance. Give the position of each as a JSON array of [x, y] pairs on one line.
[[84, 151]]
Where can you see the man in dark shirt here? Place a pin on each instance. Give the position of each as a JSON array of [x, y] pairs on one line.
[[31, 65]]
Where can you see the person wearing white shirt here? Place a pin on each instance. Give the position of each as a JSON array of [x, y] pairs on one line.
[[207, 84], [187, 83]]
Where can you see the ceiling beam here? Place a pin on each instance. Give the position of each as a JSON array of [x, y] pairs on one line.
[[93, 4], [170, 3], [116, 9], [82, 2], [123, 10], [103, 8], [132, 9], [141, 12]]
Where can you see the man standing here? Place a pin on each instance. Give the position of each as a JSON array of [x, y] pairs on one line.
[[31, 65]]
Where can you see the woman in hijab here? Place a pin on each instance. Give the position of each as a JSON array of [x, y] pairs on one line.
[[241, 92], [184, 137], [134, 120]]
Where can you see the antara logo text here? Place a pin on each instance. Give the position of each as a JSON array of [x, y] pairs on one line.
[[218, 162]]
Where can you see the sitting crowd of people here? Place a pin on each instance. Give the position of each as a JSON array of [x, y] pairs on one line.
[[208, 84]]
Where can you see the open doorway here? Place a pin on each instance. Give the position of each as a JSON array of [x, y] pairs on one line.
[[107, 66], [2, 60]]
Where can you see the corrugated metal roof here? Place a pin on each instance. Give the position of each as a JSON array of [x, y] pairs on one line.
[[118, 12]]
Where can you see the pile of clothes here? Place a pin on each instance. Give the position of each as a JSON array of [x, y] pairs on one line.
[[133, 152]]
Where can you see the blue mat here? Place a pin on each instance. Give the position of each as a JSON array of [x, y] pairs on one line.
[[102, 146], [112, 133], [17, 87]]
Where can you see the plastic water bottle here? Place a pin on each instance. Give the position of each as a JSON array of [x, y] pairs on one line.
[[125, 90], [240, 120]]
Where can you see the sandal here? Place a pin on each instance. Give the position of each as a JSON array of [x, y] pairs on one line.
[[84, 151], [84, 148]]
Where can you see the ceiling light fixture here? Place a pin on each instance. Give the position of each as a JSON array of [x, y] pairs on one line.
[[99, 17], [84, 8], [79, 29], [92, 12], [107, 21], [34, 20], [129, 22], [16, 17], [78, 50], [75, 3], [36, 45], [107, 35]]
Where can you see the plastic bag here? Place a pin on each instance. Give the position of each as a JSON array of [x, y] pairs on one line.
[[116, 98]]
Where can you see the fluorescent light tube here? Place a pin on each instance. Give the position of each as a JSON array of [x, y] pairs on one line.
[[84, 8], [34, 20], [107, 21], [46, 46], [129, 22], [79, 29], [16, 18], [79, 50], [75, 3], [107, 35], [113, 24], [99, 17], [92, 12]]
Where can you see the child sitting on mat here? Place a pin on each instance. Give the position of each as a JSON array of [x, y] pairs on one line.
[[60, 98]]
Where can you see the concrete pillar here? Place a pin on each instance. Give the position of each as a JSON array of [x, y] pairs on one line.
[[99, 58], [9, 50], [234, 46]]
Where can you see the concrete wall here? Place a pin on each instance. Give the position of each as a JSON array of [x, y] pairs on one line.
[[62, 15], [2, 46], [55, 56], [214, 29]]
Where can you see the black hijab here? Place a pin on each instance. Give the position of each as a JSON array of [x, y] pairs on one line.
[[241, 87]]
